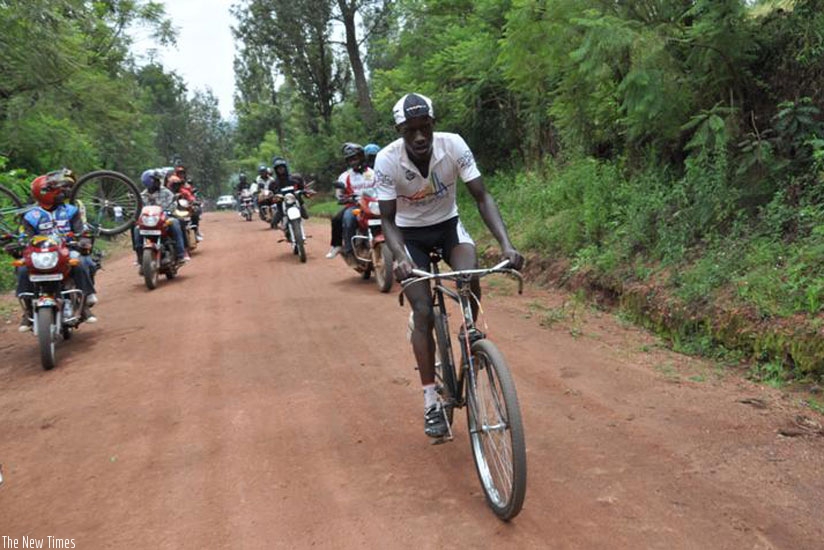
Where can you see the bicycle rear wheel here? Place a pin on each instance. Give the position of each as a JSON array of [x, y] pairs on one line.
[[10, 205], [99, 194], [495, 430]]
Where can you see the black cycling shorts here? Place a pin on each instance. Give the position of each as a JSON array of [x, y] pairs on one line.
[[444, 237]]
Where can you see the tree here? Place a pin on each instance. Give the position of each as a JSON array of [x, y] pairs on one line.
[[295, 37]]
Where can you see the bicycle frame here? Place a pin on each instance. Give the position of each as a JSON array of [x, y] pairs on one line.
[[455, 379]]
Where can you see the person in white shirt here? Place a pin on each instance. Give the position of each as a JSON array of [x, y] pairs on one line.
[[416, 180], [348, 187]]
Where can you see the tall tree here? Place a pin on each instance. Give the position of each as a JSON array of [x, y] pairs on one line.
[[372, 11], [297, 33]]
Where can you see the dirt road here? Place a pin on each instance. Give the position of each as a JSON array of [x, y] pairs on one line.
[[258, 403]]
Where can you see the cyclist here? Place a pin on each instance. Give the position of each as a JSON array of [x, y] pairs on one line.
[[416, 177]]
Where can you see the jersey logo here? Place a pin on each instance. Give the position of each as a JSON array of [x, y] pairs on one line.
[[433, 188], [467, 159], [410, 175]]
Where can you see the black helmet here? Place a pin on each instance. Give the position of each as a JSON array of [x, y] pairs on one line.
[[278, 161], [241, 177], [262, 170], [352, 149]]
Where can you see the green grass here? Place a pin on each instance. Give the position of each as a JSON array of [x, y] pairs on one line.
[[322, 206], [651, 228], [816, 405]]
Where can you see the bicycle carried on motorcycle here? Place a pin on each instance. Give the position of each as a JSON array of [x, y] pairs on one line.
[[483, 383]]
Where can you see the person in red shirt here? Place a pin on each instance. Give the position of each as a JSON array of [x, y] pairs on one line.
[[178, 183]]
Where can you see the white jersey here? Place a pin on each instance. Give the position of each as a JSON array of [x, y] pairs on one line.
[[356, 182], [425, 201], [265, 183]]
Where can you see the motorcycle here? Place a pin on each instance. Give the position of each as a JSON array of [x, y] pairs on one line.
[[370, 253], [246, 206], [56, 304], [291, 223], [159, 255], [183, 211], [265, 200]]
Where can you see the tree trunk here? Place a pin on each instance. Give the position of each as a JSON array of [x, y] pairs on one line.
[[348, 11]]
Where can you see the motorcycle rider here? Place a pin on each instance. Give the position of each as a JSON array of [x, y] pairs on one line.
[[242, 183], [178, 183], [371, 150], [350, 183], [53, 214], [417, 177], [157, 194], [263, 181], [282, 178]]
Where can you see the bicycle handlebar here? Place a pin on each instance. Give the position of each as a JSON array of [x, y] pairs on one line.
[[421, 275]]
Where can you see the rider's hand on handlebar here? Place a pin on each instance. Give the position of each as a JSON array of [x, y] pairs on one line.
[[403, 269], [514, 257]]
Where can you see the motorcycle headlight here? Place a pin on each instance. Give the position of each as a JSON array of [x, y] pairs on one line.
[[290, 198], [149, 221], [375, 208], [44, 260], [183, 203]]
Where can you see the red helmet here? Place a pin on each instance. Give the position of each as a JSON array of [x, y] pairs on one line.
[[50, 189]]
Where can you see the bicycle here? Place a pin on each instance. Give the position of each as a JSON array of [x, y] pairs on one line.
[[483, 384], [96, 194]]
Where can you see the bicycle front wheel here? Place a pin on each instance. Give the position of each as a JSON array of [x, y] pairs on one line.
[[495, 430], [10, 210], [110, 200]]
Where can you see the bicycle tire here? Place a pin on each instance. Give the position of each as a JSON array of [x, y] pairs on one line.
[[98, 192], [444, 362], [489, 366], [9, 204]]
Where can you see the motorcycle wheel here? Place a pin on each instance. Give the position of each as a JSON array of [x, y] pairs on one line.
[[45, 337], [382, 262], [298, 244], [150, 269], [192, 240]]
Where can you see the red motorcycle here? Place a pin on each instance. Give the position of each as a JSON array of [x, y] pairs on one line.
[[370, 252], [159, 255], [57, 305]]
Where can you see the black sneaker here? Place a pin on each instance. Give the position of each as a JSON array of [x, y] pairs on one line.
[[434, 421], [25, 322]]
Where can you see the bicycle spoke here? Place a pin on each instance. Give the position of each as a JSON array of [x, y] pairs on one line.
[[491, 429], [500, 450], [100, 193]]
